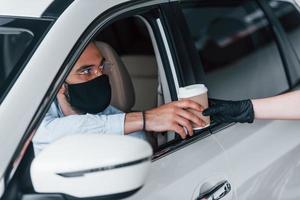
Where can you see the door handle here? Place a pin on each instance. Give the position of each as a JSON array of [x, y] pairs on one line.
[[217, 192]]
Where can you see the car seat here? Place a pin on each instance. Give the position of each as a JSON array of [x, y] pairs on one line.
[[123, 96], [144, 74]]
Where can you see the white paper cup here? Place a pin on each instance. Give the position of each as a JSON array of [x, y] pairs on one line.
[[197, 93]]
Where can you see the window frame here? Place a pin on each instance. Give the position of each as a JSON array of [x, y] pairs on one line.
[[184, 64]]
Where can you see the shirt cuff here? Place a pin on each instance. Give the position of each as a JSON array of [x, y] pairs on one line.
[[116, 124]]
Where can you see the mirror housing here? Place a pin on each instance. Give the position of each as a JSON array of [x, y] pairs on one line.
[[92, 165]]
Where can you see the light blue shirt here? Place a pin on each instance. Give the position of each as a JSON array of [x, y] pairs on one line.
[[55, 125]]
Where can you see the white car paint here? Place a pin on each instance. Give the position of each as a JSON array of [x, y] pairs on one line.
[[169, 54], [263, 156], [28, 8], [98, 156], [180, 174]]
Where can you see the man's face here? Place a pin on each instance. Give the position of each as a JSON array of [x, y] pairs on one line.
[[88, 66]]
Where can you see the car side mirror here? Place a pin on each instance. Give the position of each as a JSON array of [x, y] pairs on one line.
[[92, 165]]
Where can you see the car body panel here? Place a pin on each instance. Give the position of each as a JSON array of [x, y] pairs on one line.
[[30, 8], [263, 156], [181, 174]]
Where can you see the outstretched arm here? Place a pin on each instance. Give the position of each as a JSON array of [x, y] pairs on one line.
[[285, 106]]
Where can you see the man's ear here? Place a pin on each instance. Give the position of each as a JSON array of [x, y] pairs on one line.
[[66, 85], [64, 89]]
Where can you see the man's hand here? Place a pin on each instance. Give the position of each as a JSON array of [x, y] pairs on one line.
[[63, 102], [174, 116], [230, 111]]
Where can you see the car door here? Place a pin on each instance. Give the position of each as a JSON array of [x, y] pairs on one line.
[[245, 54], [181, 169]]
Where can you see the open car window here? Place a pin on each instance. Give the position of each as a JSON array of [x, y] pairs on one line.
[[134, 82]]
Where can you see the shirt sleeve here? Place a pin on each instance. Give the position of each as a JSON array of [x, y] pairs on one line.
[[138, 134], [54, 127]]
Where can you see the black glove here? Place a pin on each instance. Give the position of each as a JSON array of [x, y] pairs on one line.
[[230, 111]]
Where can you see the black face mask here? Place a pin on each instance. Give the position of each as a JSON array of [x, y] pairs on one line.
[[92, 96]]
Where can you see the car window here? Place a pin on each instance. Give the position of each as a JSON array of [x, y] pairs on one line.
[[237, 48], [289, 18], [18, 38], [129, 81], [129, 37]]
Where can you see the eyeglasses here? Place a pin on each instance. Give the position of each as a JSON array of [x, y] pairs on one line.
[[103, 67]]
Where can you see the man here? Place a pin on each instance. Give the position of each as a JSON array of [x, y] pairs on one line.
[[82, 106], [285, 106]]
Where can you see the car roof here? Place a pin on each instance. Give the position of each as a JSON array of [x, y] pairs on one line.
[[37, 8], [29, 8]]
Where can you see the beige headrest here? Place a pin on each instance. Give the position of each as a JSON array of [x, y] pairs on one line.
[[122, 88]]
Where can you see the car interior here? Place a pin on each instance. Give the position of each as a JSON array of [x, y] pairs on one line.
[[135, 80], [129, 37]]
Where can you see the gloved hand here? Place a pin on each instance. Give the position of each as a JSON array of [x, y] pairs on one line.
[[230, 111]]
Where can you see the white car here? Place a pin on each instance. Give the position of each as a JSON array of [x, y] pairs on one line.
[[238, 49]]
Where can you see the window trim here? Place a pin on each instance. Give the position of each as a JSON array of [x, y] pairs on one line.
[[168, 52], [152, 20], [171, 33], [192, 73], [161, 68]]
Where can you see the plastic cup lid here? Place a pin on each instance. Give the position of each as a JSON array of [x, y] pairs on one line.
[[191, 90]]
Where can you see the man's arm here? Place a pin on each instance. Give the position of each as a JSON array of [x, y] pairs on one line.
[[285, 106], [168, 117], [54, 127]]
